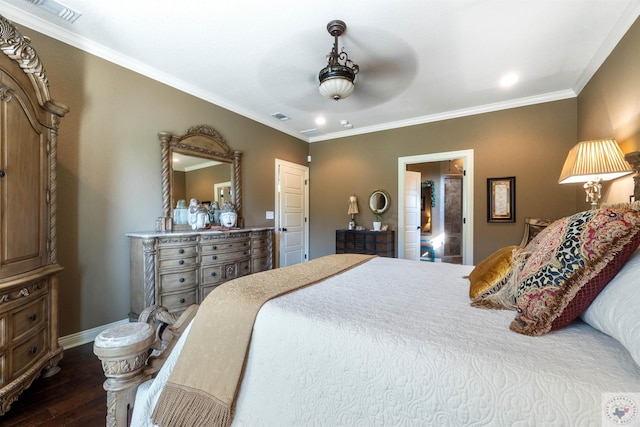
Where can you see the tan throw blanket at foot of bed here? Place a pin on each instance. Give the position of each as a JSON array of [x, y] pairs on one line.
[[203, 385]]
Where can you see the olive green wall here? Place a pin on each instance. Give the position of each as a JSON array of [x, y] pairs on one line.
[[529, 143], [109, 171], [109, 164], [609, 106]]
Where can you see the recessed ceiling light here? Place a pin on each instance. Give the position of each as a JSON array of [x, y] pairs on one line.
[[320, 121], [509, 80]]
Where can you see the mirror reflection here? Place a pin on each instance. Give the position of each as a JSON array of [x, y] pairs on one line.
[[202, 179]]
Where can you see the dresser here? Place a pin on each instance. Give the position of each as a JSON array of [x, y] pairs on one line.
[[178, 269], [380, 243], [29, 269]]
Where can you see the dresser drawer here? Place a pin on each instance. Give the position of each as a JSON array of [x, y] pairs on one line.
[[28, 318], [174, 263], [227, 245], [238, 269], [179, 301], [176, 251], [259, 252], [259, 264], [25, 354], [222, 257], [211, 275], [170, 282], [206, 290]]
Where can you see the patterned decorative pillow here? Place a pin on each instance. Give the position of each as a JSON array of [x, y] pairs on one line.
[[570, 264], [494, 279], [491, 273]]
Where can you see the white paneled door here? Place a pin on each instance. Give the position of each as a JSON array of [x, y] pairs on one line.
[[412, 215], [292, 216]]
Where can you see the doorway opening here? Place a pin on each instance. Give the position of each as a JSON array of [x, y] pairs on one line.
[[460, 223]]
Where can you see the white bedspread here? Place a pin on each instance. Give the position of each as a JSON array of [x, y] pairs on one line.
[[395, 343]]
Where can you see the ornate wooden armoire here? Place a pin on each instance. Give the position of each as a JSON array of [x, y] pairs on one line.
[[29, 269]]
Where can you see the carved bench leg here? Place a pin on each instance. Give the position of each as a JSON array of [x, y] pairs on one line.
[[123, 351]]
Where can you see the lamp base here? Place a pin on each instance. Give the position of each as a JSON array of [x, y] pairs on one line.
[[593, 190]]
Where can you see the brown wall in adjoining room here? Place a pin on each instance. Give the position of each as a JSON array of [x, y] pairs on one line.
[[109, 171], [609, 107], [529, 143]]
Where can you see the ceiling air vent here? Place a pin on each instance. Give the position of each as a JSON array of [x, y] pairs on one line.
[[58, 9], [281, 117], [310, 132]]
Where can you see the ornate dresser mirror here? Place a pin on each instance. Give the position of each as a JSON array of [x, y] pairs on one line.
[[379, 202], [201, 142]]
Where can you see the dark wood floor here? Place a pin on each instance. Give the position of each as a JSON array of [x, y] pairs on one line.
[[72, 397]]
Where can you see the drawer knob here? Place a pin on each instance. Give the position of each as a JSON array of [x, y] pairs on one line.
[[33, 317], [214, 257], [181, 251], [213, 274], [33, 350], [181, 262], [182, 300], [214, 248], [181, 280]]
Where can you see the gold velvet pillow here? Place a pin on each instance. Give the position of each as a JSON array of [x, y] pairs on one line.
[[490, 275]]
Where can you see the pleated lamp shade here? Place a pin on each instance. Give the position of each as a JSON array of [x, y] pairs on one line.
[[353, 206], [595, 160]]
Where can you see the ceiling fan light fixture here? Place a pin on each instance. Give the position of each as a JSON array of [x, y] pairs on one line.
[[336, 88], [336, 79]]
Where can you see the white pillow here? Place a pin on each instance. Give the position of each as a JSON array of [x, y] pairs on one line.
[[615, 311]]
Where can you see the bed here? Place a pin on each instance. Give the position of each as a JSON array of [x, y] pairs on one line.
[[397, 342]]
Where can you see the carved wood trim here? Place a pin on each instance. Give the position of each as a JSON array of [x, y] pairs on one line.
[[149, 248]]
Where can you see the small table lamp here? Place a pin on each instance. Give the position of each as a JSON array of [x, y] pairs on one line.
[[592, 162], [353, 210]]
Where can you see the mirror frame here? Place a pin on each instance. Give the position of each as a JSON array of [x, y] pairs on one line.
[[386, 205], [199, 141]]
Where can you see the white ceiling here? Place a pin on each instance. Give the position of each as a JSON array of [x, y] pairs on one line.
[[420, 61]]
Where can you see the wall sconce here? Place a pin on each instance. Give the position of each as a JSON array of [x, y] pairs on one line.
[[592, 162], [353, 210]]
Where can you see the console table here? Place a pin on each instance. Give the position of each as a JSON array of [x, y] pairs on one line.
[[380, 243]]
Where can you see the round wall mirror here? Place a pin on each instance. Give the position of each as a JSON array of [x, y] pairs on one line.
[[379, 202]]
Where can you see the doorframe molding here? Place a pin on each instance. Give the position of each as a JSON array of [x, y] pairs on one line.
[[467, 200]]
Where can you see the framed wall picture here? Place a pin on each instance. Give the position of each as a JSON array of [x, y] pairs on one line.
[[501, 199]]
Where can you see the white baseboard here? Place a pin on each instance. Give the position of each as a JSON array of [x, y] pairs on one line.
[[83, 337]]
